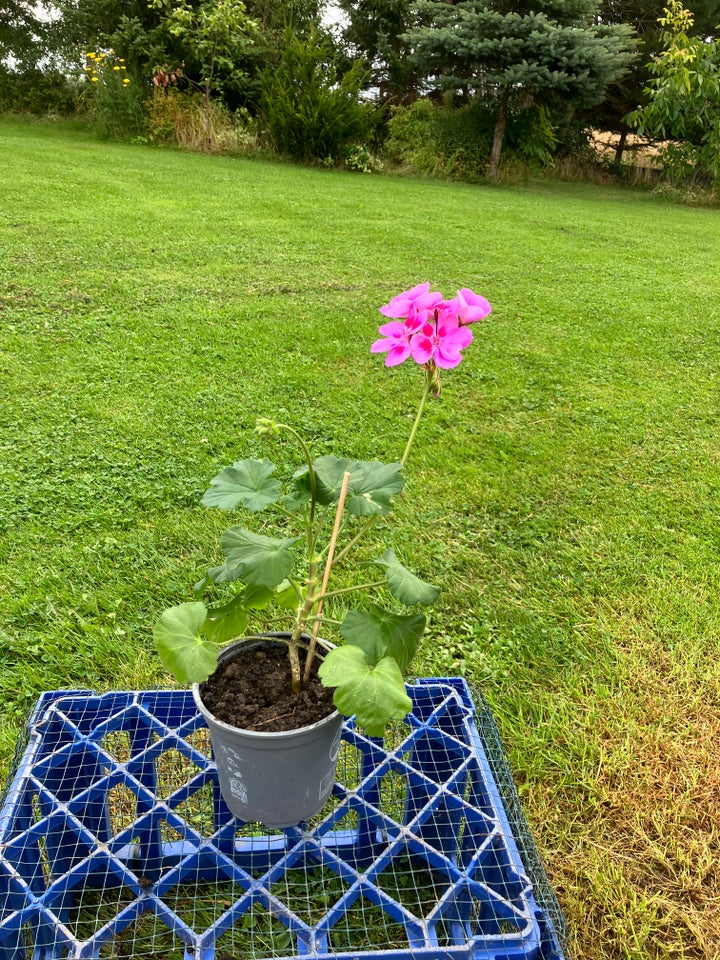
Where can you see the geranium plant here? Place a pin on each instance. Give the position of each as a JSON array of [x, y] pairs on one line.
[[325, 509]]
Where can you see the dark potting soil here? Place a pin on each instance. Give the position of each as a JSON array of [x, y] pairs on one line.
[[253, 691]]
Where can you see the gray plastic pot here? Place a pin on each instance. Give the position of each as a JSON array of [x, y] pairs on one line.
[[278, 779]]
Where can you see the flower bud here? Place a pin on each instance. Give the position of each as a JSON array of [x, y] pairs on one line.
[[266, 428]]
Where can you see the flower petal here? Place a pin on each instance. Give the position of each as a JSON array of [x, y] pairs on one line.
[[456, 339], [471, 306], [422, 348], [446, 362], [394, 330], [400, 305], [398, 354]]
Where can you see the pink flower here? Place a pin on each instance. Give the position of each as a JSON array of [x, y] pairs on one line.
[[441, 344], [412, 303], [397, 340], [468, 306], [434, 330]]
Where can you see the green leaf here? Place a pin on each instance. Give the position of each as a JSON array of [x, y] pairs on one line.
[[374, 694], [245, 482], [379, 633], [404, 585], [183, 650], [295, 500], [299, 492], [224, 574], [228, 621], [372, 484], [329, 473], [372, 487], [259, 560], [286, 596], [200, 587], [256, 598]]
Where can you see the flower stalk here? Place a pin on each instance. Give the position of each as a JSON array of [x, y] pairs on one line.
[[326, 574]]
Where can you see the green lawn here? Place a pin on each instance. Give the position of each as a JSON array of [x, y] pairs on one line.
[[563, 491]]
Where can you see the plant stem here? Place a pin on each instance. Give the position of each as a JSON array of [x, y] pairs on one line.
[[358, 536], [301, 618], [311, 473], [359, 586], [294, 658], [276, 427], [418, 416], [431, 381], [304, 609], [326, 574]]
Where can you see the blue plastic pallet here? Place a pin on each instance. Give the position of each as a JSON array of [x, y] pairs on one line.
[[115, 842]]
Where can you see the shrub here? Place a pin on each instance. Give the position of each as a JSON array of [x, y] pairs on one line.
[[688, 195], [455, 142], [38, 92], [411, 137], [357, 157], [312, 111]]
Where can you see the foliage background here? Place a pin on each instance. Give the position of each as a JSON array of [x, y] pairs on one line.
[[559, 71]]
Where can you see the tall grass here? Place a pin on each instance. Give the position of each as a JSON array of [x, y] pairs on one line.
[[563, 491]]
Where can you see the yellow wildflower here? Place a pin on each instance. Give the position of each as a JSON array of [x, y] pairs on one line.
[[93, 79], [126, 81], [90, 56], [116, 68]]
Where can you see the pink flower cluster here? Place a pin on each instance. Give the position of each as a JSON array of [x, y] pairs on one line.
[[427, 328]]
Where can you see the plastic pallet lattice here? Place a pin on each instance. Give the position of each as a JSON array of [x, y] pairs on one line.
[[115, 842]]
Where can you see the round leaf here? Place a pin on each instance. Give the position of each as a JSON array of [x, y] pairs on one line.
[[372, 484], [379, 633], [182, 648], [374, 695], [261, 561], [245, 482]]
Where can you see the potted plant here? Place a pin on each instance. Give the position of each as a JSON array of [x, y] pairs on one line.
[[273, 701]]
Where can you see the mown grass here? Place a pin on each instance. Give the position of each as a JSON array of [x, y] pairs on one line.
[[564, 491]]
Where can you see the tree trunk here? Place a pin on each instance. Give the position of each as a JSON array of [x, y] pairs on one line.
[[620, 150], [208, 87], [498, 135]]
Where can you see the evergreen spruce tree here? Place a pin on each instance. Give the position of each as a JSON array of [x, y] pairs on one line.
[[519, 53], [374, 30]]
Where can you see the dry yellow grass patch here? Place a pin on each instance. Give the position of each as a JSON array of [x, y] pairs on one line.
[[637, 863]]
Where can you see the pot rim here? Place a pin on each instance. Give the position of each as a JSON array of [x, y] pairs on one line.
[[269, 735]]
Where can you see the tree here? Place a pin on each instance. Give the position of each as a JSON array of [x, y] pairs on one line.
[[625, 94], [375, 30], [277, 21], [214, 36], [683, 97], [311, 104], [133, 29], [517, 52], [152, 33], [24, 33]]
